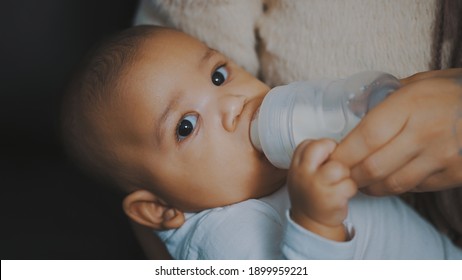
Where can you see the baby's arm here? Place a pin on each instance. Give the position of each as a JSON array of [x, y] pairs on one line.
[[319, 190]]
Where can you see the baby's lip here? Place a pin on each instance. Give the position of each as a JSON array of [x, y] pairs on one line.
[[255, 108], [252, 108], [255, 114]]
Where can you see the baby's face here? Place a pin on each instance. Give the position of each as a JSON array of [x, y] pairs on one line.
[[182, 121]]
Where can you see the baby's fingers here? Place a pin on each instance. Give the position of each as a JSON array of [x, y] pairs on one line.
[[341, 194], [332, 172], [347, 188], [310, 154], [337, 204]]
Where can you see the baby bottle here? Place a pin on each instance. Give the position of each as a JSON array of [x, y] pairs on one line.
[[292, 113]]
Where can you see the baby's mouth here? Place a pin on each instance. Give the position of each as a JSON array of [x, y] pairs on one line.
[[255, 114], [253, 109], [253, 131]]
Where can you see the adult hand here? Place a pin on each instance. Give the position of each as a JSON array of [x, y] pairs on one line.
[[412, 141]]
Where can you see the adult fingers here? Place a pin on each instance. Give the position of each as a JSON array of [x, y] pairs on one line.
[[437, 182], [446, 73], [377, 128], [386, 160], [405, 179]]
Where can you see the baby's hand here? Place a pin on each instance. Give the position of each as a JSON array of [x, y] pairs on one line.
[[319, 189]]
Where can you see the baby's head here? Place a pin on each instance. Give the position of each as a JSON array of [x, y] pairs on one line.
[[167, 119]]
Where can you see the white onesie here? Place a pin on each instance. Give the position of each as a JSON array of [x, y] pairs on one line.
[[380, 228]]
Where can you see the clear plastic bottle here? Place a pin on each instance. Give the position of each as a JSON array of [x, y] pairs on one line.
[[292, 113]]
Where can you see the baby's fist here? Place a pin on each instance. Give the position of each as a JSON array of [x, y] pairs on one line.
[[319, 188]]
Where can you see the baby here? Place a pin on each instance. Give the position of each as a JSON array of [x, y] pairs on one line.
[[167, 120]]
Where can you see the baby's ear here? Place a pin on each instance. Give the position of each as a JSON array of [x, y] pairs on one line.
[[149, 210]]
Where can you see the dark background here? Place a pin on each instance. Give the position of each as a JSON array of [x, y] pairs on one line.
[[49, 209]]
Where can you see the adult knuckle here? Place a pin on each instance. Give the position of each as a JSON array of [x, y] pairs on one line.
[[368, 136], [394, 185], [372, 169]]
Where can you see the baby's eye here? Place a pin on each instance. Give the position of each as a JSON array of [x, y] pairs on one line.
[[186, 127], [220, 75]]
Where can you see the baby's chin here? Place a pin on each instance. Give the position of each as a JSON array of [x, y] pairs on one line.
[[273, 176], [265, 161]]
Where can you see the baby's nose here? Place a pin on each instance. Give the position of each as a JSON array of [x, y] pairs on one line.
[[232, 107]]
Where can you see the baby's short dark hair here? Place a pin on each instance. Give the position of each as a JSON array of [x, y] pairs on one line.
[[93, 86]]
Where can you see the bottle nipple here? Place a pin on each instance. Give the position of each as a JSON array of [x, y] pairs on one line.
[[254, 136]]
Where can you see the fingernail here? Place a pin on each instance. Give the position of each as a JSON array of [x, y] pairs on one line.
[[169, 214]]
